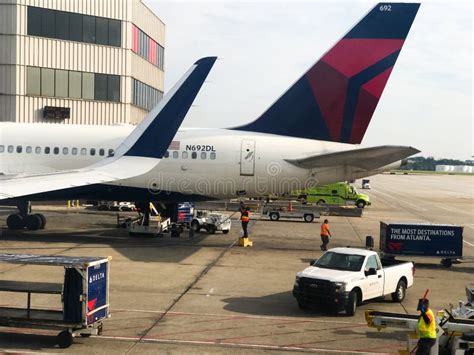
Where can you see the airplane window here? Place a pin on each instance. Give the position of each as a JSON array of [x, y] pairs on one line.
[[74, 151], [47, 150], [167, 154], [19, 148], [10, 149], [111, 153], [38, 150], [65, 150], [102, 151], [194, 155], [83, 151], [92, 151], [2, 148], [185, 155], [212, 156], [175, 154], [56, 150], [29, 149], [203, 155]]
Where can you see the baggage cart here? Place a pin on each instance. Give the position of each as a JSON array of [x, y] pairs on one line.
[[84, 296]]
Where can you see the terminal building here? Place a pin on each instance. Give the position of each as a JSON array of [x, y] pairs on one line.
[[79, 61]]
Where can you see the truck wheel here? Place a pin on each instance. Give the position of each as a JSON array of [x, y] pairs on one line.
[[360, 204], [64, 339], [320, 202], [195, 226], [274, 216], [308, 218], [225, 231], [400, 292], [352, 303]]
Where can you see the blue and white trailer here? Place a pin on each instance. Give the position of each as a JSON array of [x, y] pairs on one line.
[[84, 294]]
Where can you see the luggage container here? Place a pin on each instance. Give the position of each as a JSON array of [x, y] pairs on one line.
[[84, 295], [443, 241]]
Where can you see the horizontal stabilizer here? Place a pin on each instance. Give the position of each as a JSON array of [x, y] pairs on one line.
[[364, 158], [139, 153]]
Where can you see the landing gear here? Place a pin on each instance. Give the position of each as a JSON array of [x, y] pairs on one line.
[[24, 218]]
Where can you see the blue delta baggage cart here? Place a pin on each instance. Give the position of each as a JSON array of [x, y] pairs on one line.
[[443, 241], [84, 296]]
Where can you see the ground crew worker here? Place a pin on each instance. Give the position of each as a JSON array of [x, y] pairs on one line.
[[245, 218], [426, 329], [325, 234]]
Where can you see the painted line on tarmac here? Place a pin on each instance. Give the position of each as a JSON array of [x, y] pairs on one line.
[[171, 313], [239, 345], [418, 207]]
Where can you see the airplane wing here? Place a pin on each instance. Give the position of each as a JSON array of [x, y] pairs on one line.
[[140, 152], [364, 158]]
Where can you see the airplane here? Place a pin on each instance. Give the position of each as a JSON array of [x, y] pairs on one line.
[[310, 135]]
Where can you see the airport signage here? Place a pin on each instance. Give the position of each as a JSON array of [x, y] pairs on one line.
[[421, 239]]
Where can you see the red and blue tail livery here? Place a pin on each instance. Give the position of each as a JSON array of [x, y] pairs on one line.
[[336, 98]]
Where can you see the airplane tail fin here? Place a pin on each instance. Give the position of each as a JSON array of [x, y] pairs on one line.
[[336, 98]]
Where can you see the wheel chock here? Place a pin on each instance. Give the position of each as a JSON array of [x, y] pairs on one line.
[[245, 242]]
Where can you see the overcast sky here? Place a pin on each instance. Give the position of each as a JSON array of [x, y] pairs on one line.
[[265, 46]]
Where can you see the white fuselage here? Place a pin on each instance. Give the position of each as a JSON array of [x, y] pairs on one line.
[[215, 163]]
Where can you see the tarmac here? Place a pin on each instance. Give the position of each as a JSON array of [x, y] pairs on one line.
[[208, 295]]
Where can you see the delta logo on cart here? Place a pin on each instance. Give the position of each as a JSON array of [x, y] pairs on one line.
[[96, 292]]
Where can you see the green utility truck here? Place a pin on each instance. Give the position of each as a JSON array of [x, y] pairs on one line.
[[340, 193]]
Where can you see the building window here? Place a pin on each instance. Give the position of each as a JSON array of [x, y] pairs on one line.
[[88, 86], [61, 83], [33, 79], [47, 82], [145, 96], [147, 48], [73, 26], [75, 84]]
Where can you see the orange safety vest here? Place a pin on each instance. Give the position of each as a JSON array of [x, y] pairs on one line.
[[245, 216], [325, 229]]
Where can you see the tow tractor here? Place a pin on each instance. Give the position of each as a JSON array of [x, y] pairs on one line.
[[211, 221], [148, 222], [455, 333]]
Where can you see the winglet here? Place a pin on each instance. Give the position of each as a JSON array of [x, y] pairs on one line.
[[151, 138]]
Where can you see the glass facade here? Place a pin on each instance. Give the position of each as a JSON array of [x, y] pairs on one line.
[[145, 96], [73, 84], [74, 27], [147, 47]]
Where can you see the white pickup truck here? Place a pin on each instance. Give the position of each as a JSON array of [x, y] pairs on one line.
[[345, 277]]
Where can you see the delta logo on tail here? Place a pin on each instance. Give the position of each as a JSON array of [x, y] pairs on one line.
[[336, 98]]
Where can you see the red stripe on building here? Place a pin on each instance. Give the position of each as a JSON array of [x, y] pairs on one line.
[[134, 39]]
